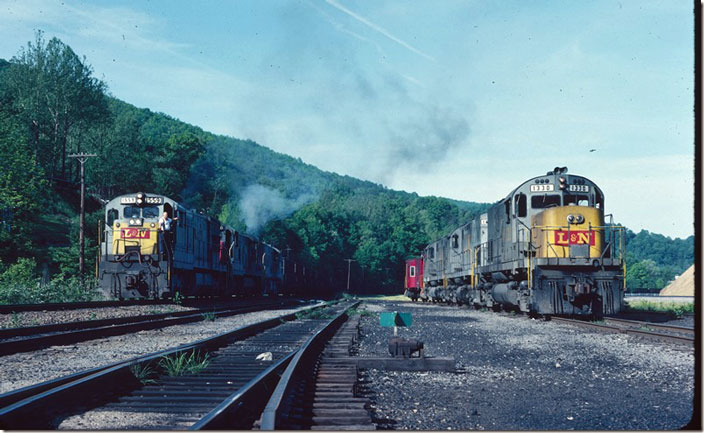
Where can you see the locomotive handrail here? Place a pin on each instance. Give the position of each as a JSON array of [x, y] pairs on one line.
[[607, 229]]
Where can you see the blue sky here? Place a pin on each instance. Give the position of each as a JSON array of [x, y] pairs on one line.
[[462, 99]]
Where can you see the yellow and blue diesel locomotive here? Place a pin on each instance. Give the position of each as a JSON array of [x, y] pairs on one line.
[[546, 248], [202, 257]]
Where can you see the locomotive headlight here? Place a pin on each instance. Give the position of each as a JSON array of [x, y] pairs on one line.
[[131, 222], [563, 182], [580, 219], [152, 225], [571, 218], [117, 224], [140, 201], [138, 221], [140, 195]]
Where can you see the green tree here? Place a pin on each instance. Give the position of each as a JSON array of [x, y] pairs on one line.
[[173, 165], [52, 91], [22, 188]]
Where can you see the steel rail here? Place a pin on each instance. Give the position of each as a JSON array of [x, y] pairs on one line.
[[263, 384], [36, 406], [685, 340], [58, 306], [70, 333], [308, 353], [641, 324]]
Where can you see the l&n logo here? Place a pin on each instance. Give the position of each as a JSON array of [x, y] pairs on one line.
[[579, 237], [135, 233]]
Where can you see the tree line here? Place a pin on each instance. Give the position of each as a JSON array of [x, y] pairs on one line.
[[51, 105]]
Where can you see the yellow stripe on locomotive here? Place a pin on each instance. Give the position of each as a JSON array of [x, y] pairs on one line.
[[129, 237], [568, 231]]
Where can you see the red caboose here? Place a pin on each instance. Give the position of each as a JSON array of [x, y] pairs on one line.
[[414, 278]]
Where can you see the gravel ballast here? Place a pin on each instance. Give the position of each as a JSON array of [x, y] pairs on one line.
[[522, 374], [24, 369], [37, 318]]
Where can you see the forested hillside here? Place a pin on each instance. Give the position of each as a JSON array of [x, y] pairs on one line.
[[52, 106]]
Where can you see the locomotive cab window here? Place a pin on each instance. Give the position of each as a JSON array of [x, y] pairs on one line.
[[150, 212], [113, 214], [431, 252], [578, 200], [544, 201], [521, 203], [131, 212], [599, 202], [412, 271], [455, 241]]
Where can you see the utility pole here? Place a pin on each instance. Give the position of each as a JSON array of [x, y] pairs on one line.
[[81, 157], [349, 263]]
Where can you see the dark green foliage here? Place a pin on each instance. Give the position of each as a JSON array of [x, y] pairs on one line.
[[51, 91], [654, 260], [19, 284], [50, 106]]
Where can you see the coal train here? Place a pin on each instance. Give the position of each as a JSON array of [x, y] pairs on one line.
[[546, 248], [202, 258]]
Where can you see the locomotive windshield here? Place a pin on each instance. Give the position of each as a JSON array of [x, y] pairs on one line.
[[579, 200], [150, 212], [131, 212], [136, 212], [545, 200]]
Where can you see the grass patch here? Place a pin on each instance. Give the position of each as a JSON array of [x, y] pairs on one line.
[[362, 312], [184, 363], [209, 316], [677, 309], [143, 373], [178, 298], [318, 313]]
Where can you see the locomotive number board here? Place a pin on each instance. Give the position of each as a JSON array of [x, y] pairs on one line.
[[147, 200], [542, 187], [578, 188]]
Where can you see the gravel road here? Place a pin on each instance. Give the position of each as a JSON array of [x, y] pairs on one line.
[[522, 374]]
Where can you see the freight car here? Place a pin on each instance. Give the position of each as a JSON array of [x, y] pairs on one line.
[[203, 258], [546, 248]]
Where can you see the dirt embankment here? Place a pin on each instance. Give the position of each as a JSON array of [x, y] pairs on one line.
[[682, 286]]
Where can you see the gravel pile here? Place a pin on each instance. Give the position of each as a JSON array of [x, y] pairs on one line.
[[24, 369], [522, 374], [37, 318]]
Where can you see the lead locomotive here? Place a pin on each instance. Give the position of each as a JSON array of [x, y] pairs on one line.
[[204, 257], [546, 248]]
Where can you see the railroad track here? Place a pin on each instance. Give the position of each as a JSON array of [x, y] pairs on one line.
[[59, 306], [63, 306], [670, 334], [230, 391], [320, 389], [26, 339]]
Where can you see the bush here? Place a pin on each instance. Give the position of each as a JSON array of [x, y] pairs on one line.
[[675, 308], [19, 284]]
